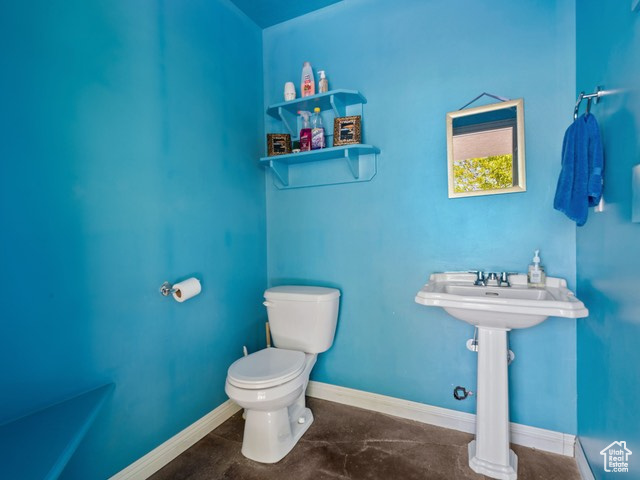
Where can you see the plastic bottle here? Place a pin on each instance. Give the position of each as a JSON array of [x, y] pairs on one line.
[[317, 130], [323, 83], [305, 131], [307, 83], [289, 91], [536, 276]]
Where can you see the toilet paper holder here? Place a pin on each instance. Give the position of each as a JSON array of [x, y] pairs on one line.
[[167, 289], [183, 290]]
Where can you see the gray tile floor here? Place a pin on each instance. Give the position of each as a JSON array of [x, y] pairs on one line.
[[350, 443]]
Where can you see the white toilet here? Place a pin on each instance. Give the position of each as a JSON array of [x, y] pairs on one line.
[[270, 384]]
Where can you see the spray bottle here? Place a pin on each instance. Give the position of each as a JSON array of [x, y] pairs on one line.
[[305, 131]]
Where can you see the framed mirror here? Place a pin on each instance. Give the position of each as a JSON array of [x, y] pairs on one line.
[[485, 150]]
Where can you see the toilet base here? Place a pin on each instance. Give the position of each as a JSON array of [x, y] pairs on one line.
[[269, 436]]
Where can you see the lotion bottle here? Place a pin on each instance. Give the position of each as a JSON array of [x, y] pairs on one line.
[[307, 83], [536, 276]]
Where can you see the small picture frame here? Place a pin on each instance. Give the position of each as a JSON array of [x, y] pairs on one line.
[[347, 130], [278, 144]]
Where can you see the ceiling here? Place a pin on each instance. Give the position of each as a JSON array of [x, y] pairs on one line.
[[269, 12]]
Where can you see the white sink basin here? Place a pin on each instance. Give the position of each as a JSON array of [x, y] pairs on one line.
[[517, 306]]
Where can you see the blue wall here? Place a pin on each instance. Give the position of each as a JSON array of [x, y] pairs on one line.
[[414, 61], [608, 40], [130, 134], [129, 138]]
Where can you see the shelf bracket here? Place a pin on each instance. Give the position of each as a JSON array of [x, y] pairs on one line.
[[338, 106], [290, 121], [353, 160], [281, 170]]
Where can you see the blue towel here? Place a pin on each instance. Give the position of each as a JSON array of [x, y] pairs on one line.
[[580, 182]]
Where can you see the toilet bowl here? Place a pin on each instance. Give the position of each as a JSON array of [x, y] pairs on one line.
[[274, 401], [270, 384]]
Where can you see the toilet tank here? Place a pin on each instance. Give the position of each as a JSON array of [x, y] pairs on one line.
[[302, 318]]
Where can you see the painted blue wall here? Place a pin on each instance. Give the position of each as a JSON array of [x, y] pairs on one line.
[[129, 133], [125, 161], [415, 61], [608, 40]]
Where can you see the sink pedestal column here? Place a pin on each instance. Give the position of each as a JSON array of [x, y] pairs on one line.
[[489, 453]]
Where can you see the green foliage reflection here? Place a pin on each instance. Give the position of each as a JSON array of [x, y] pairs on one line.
[[483, 173]]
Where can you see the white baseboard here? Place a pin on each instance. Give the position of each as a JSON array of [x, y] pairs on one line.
[[583, 464], [541, 439], [163, 454]]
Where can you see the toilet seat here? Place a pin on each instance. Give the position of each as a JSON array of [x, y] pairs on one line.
[[266, 368]]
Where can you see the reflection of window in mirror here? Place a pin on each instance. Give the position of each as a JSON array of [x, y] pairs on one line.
[[486, 149], [483, 156]]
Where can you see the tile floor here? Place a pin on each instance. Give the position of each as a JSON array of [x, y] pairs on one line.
[[350, 443]]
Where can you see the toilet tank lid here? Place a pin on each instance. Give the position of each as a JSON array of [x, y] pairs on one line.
[[301, 293]]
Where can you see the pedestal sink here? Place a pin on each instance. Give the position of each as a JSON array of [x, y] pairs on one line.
[[496, 310]]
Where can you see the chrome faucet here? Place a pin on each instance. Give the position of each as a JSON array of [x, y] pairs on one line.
[[491, 278]]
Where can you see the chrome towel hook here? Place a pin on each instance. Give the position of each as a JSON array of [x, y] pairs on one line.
[[589, 97]]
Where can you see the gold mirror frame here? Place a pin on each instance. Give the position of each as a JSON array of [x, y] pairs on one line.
[[518, 160]]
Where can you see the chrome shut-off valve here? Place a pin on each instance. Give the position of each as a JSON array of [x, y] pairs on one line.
[[460, 393]]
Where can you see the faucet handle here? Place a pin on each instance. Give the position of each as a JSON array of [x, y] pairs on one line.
[[479, 277], [504, 279]]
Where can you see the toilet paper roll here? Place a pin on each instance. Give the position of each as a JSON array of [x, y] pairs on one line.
[[187, 289]]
